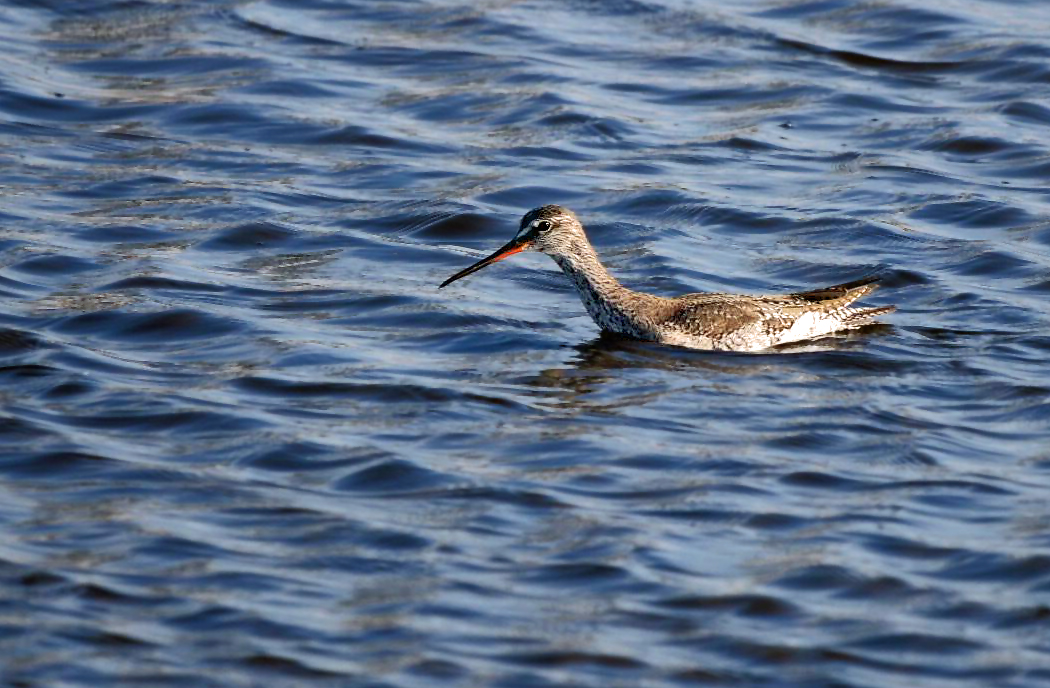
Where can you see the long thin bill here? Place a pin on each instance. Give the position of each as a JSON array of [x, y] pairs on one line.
[[516, 245]]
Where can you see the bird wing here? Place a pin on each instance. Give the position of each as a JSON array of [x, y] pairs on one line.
[[720, 315]]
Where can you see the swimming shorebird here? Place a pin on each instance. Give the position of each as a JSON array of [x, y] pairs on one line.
[[725, 322]]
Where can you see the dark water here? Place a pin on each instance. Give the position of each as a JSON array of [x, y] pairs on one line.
[[247, 442]]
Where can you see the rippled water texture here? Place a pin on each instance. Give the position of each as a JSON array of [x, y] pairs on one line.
[[245, 441]]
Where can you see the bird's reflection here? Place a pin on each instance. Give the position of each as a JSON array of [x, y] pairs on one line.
[[603, 360], [611, 351]]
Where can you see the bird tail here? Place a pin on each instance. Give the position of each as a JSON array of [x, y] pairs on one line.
[[846, 293]]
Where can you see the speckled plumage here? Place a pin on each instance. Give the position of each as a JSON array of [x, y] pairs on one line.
[[727, 322]]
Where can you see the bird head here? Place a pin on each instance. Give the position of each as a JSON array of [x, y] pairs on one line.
[[550, 229]]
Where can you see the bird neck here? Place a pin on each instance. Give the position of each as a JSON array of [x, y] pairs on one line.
[[586, 271], [602, 295]]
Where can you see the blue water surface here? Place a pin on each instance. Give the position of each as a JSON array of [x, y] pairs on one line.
[[246, 441]]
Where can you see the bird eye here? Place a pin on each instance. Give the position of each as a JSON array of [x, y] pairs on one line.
[[543, 225]]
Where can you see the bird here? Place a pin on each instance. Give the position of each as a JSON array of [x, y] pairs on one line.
[[708, 321]]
